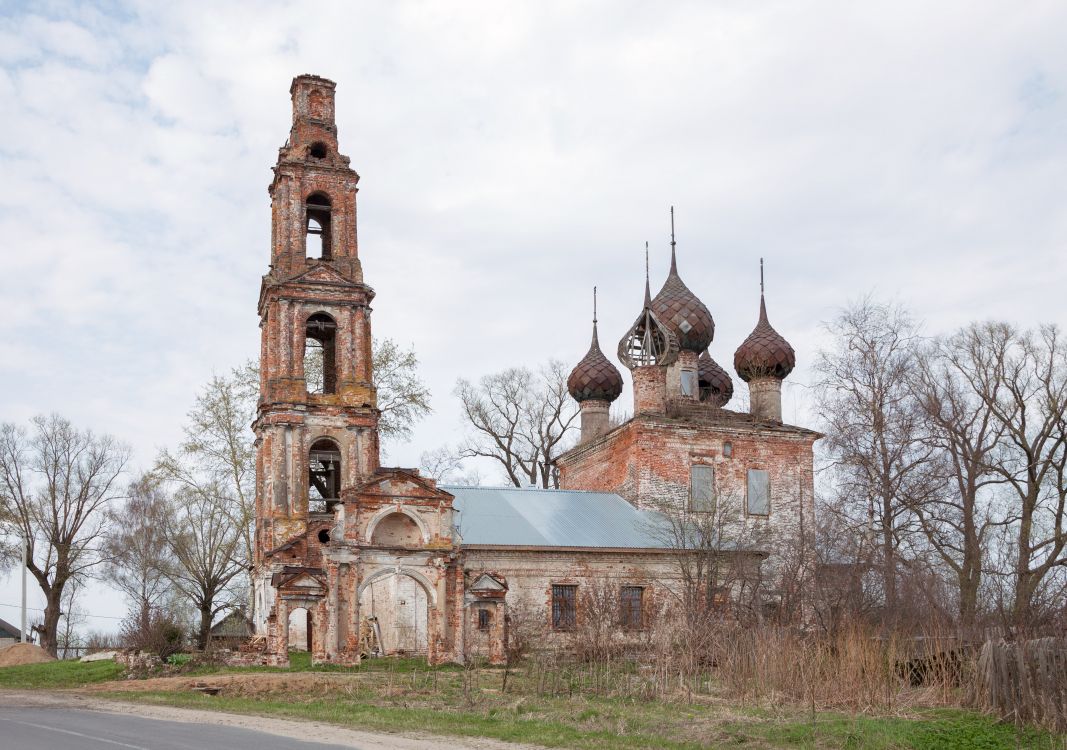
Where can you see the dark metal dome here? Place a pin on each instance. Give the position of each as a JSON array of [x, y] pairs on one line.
[[716, 387], [764, 353], [595, 377], [683, 312]]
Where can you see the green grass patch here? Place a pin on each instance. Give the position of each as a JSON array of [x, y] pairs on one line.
[[58, 674], [932, 729]]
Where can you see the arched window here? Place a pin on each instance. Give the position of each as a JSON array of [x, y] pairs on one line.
[[397, 530], [318, 242], [320, 354], [324, 475]]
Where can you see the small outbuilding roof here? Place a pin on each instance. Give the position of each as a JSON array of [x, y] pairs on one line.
[[7, 630], [517, 517]]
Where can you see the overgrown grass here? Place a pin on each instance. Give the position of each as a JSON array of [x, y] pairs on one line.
[[58, 674], [563, 705], [600, 724], [300, 661]]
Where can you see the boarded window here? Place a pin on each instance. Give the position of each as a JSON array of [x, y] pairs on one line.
[[630, 609], [485, 618], [564, 607], [702, 489], [759, 492], [689, 383]]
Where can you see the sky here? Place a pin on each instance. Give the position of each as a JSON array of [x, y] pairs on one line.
[[512, 155]]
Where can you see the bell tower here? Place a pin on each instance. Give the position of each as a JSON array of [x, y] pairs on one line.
[[317, 426]]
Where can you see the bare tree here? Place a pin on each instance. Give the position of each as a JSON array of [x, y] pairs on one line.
[[71, 618], [873, 426], [445, 466], [55, 487], [1021, 378], [961, 514], [403, 398], [521, 420], [216, 460], [717, 554], [845, 562], [138, 556], [205, 547]]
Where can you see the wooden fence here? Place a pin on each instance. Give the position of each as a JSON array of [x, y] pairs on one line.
[[1025, 681]]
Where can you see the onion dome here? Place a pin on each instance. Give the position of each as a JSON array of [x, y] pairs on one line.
[[764, 354], [681, 310], [594, 377], [716, 387], [648, 342]]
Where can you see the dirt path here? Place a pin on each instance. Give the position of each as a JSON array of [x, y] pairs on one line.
[[309, 731]]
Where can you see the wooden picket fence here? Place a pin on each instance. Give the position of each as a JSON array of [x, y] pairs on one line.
[[1025, 681]]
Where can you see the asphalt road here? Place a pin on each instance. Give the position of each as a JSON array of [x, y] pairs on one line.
[[31, 728]]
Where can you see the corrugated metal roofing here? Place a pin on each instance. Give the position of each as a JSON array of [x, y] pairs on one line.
[[510, 516]]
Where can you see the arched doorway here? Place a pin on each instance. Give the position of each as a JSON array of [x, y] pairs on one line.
[[401, 607], [300, 629]]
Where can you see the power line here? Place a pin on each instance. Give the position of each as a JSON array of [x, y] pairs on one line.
[[35, 609]]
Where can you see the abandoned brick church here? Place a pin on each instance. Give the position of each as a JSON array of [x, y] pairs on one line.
[[353, 558]]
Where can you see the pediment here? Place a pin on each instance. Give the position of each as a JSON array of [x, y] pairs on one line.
[[300, 581], [488, 583], [303, 582], [401, 483], [322, 273]]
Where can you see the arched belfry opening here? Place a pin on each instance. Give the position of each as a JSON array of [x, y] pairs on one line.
[[320, 354], [324, 474], [318, 237]]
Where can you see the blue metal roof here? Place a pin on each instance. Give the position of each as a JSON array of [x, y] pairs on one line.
[[510, 516]]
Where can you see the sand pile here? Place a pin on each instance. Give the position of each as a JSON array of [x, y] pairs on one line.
[[23, 653]]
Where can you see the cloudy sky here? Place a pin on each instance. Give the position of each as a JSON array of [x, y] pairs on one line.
[[513, 155]]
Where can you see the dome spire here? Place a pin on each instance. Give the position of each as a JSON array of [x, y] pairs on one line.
[[596, 342], [762, 300], [648, 291], [674, 256]]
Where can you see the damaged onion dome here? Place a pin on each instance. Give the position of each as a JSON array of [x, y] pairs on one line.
[[683, 313], [764, 354], [594, 377], [716, 387]]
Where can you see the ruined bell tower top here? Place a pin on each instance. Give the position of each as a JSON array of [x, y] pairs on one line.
[[313, 193], [314, 120]]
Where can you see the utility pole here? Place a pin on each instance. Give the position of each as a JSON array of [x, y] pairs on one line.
[[25, 561]]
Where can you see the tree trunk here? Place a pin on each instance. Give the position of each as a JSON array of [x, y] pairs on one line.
[[205, 629], [969, 581], [50, 627], [1024, 583], [889, 566]]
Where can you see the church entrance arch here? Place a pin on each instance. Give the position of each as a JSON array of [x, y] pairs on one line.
[[400, 605]]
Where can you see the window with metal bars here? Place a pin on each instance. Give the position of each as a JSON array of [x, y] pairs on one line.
[[630, 607], [564, 606]]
